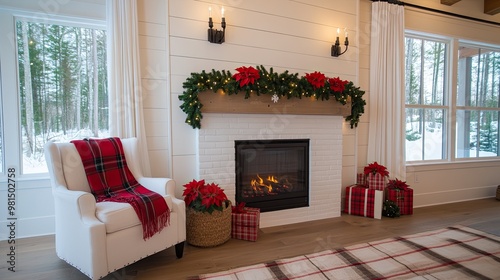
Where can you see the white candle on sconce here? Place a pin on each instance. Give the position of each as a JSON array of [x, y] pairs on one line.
[[336, 50], [215, 35], [223, 22]]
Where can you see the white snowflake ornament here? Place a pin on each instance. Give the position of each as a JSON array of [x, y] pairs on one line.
[[275, 98]]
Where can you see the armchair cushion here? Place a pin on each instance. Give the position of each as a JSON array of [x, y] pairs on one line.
[[118, 216]]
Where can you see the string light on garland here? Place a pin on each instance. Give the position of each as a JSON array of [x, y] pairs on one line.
[[262, 81]]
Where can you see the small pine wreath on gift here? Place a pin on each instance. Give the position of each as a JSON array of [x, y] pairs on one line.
[[390, 209]]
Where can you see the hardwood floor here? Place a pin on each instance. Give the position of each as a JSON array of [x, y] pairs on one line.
[[36, 258]]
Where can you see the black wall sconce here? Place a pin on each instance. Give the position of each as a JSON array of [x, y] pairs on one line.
[[214, 35], [336, 50]]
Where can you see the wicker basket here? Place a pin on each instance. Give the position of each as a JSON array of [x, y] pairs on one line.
[[498, 192], [208, 230]]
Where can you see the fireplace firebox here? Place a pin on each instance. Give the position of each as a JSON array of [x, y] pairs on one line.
[[272, 174]]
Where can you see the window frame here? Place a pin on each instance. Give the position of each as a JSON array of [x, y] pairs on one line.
[[471, 44], [451, 68], [447, 96], [9, 69]]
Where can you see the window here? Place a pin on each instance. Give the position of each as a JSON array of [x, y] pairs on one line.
[[61, 93], [426, 99], [430, 116], [478, 110]]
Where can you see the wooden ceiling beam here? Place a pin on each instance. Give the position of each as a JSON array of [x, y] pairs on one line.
[[491, 7], [449, 2]]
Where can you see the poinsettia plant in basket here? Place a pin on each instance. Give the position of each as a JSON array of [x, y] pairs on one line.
[[204, 197]]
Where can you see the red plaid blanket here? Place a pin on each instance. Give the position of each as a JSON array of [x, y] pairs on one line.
[[110, 179]]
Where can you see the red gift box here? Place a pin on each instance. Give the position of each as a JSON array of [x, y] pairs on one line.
[[245, 224], [403, 199], [376, 181], [361, 179], [362, 201]]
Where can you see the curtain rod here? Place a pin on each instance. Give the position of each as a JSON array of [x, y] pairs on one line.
[[439, 11]]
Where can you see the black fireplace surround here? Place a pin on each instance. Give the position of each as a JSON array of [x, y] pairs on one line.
[[272, 174]]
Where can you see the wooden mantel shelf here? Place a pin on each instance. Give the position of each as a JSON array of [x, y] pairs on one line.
[[262, 104]]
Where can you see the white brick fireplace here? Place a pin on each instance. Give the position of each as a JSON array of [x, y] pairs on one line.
[[216, 157]]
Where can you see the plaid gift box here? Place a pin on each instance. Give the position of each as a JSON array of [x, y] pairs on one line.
[[376, 181], [245, 225], [362, 201], [403, 199], [361, 179]]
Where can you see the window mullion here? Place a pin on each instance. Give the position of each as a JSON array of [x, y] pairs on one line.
[[452, 89]]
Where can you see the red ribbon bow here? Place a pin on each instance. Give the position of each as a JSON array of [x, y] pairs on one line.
[[240, 208]]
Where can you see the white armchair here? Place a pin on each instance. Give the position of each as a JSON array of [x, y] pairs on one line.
[[99, 238]]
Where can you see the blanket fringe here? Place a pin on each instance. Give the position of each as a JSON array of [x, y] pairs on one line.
[[150, 229]]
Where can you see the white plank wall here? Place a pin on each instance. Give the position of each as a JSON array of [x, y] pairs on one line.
[[286, 35], [294, 35]]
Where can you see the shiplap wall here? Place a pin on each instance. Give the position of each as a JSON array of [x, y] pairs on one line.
[[293, 35], [154, 73], [286, 35]]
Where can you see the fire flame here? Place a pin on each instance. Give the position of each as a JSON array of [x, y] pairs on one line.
[[271, 178], [260, 182], [271, 185]]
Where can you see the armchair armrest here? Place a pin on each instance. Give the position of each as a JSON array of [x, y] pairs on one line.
[[163, 186], [81, 237], [166, 186], [75, 205]]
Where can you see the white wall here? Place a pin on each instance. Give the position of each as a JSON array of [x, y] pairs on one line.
[[444, 182], [286, 35], [293, 35], [153, 46]]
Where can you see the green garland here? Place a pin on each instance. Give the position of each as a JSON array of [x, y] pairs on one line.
[[282, 84]]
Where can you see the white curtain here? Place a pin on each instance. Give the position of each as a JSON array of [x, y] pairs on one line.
[[387, 92], [125, 90]]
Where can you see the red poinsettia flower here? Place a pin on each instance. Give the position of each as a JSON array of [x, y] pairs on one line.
[[337, 85], [375, 168], [204, 197], [192, 191], [246, 75], [397, 184], [316, 79], [212, 194]]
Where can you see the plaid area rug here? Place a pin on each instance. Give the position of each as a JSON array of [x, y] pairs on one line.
[[451, 253]]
